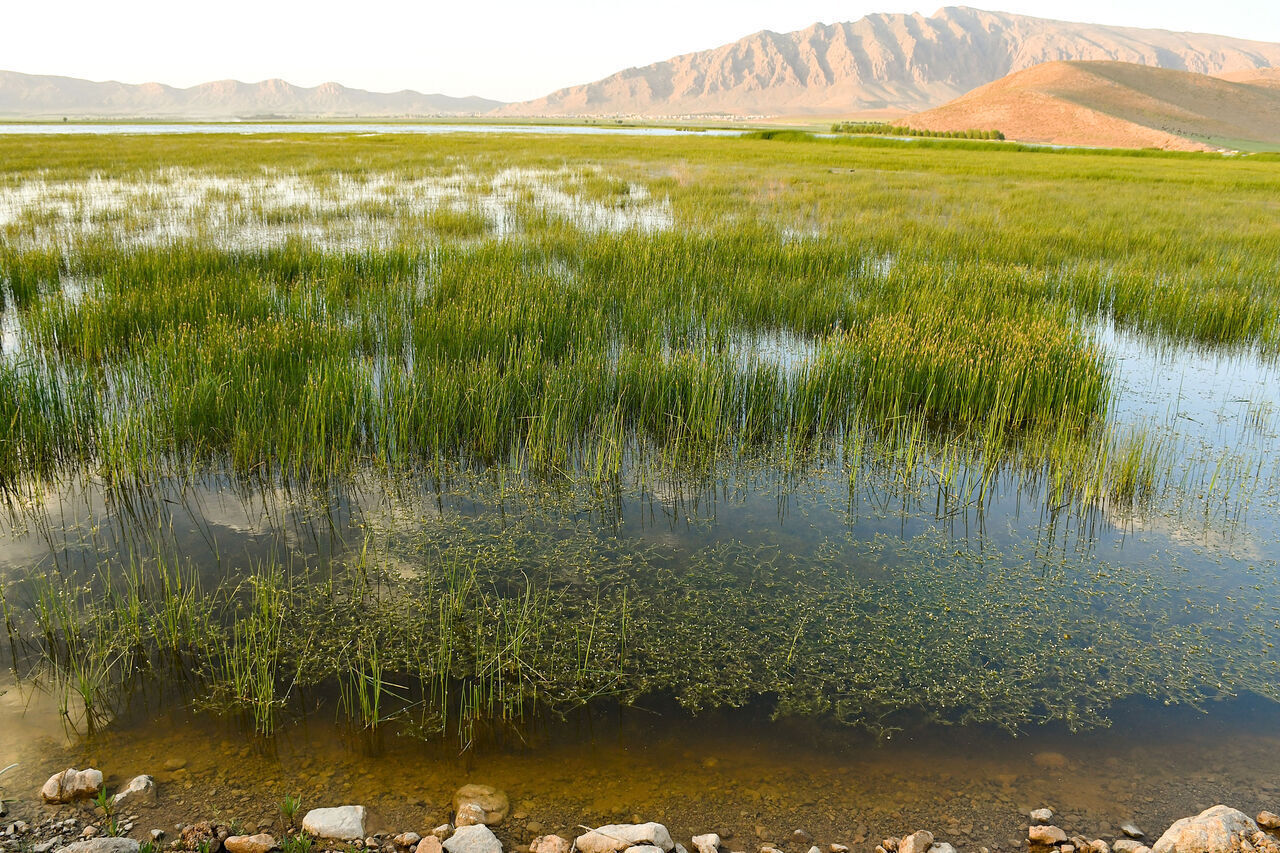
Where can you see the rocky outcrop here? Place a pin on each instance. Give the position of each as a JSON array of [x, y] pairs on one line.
[[1215, 830]]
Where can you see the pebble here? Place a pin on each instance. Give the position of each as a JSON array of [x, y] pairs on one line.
[[1131, 830], [1041, 815]]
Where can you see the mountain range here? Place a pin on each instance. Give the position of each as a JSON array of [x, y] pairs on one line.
[[886, 62], [36, 96], [882, 64]]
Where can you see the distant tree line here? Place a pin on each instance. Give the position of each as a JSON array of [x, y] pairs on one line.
[[882, 129]]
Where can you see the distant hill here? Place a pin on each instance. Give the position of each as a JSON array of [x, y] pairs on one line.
[[1119, 104], [890, 63], [36, 96]]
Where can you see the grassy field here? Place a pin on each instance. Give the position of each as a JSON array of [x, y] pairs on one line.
[[594, 311]]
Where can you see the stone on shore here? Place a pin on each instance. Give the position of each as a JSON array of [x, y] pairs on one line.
[[1126, 845], [406, 840], [470, 814], [1046, 835], [550, 844], [430, 844], [260, 843], [643, 848], [109, 844], [708, 843], [71, 785], [343, 823], [1269, 820], [141, 791], [618, 837], [917, 842], [942, 847], [1214, 830], [473, 839], [1041, 815], [491, 803], [1130, 829]]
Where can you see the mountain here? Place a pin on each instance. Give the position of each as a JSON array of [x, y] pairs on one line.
[[35, 96], [1119, 104], [886, 62]]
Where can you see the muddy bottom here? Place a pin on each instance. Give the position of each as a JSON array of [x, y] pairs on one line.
[[752, 780]]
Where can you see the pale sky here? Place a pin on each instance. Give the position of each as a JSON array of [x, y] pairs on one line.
[[504, 50]]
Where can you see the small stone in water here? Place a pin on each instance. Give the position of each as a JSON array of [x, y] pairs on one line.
[[1131, 830], [1041, 815]]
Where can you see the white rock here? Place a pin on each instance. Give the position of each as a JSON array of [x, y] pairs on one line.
[[617, 837], [430, 844], [709, 843], [46, 846], [1041, 815], [442, 831], [345, 823], [102, 845], [141, 791], [1131, 830], [941, 847], [643, 848], [1214, 830], [72, 784], [1126, 845], [473, 839], [407, 840]]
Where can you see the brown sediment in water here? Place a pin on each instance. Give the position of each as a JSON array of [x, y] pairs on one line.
[[734, 773]]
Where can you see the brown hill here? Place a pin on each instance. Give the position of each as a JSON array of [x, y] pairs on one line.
[[36, 96], [1116, 104], [1254, 76], [901, 63]]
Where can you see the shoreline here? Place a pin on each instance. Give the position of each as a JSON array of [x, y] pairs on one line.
[[77, 812]]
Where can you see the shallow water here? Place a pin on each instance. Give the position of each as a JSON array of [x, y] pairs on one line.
[[249, 213]]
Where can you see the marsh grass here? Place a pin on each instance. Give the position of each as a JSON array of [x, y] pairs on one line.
[[917, 316]]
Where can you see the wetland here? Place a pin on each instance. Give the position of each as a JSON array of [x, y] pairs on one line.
[[709, 480]]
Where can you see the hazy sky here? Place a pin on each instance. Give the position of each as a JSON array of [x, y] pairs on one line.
[[504, 50]]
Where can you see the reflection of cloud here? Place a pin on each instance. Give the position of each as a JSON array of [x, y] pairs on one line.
[[1237, 541]]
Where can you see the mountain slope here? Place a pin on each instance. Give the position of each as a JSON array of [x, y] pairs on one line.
[[893, 62], [36, 96], [1117, 104]]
